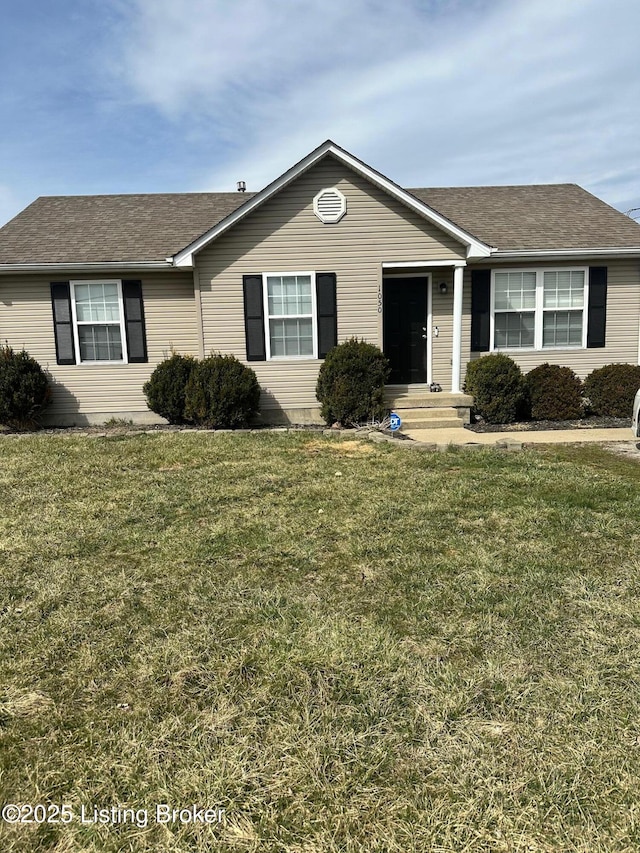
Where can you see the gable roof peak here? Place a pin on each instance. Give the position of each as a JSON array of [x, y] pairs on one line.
[[474, 246]]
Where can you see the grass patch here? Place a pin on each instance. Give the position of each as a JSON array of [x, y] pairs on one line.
[[344, 646]]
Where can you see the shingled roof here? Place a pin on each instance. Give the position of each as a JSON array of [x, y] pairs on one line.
[[151, 228], [111, 228], [534, 217]]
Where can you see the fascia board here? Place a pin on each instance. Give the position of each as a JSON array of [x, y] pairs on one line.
[[88, 267], [569, 254]]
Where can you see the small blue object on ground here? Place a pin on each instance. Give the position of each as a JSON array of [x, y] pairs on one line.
[[394, 422]]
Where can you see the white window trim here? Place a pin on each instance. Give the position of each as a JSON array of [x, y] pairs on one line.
[[267, 317], [74, 316], [539, 310]]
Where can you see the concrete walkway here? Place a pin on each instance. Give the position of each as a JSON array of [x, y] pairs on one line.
[[551, 436]]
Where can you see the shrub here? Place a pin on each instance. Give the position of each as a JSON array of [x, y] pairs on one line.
[[497, 386], [221, 393], [165, 389], [554, 393], [24, 389], [350, 384], [611, 389]]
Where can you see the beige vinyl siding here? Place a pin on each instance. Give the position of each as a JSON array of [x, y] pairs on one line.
[[284, 235], [111, 389], [623, 321]]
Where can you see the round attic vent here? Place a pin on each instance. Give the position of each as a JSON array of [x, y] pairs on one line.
[[330, 205]]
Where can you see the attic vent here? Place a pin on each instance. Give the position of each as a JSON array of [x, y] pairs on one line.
[[330, 205]]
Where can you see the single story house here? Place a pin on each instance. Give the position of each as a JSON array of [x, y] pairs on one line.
[[100, 289]]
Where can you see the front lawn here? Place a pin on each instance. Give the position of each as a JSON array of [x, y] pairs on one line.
[[344, 646]]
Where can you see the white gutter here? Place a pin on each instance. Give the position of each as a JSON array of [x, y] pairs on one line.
[[88, 267], [559, 254]]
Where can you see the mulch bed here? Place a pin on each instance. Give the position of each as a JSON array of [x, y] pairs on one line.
[[479, 426], [529, 426]]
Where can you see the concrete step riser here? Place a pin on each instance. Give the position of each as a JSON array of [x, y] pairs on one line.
[[432, 423], [419, 403], [421, 414], [418, 400]]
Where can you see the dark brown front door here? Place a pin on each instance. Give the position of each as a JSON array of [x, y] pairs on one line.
[[404, 321]]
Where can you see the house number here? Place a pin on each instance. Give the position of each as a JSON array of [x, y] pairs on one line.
[[379, 299]]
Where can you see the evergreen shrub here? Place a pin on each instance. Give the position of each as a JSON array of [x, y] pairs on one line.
[[165, 389], [24, 389], [610, 389], [350, 385], [497, 386], [221, 393], [554, 393]]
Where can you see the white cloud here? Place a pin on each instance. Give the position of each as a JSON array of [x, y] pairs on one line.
[[202, 51], [430, 93]]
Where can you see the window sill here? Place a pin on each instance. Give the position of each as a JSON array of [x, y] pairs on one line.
[[100, 363], [281, 358], [572, 348]]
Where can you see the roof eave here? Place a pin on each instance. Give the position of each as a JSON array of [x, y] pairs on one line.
[[566, 254], [92, 266], [475, 248]]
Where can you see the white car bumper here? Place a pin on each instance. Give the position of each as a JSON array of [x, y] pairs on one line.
[[635, 426]]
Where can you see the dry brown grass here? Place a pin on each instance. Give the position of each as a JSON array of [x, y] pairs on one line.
[[425, 653]]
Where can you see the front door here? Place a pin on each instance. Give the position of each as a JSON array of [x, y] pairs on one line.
[[404, 322]]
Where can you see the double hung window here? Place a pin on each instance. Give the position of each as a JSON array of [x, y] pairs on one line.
[[290, 315], [98, 320], [514, 301], [563, 304], [539, 309]]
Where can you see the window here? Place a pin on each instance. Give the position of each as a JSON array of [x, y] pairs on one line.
[[562, 308], [98, 321], [514, 301], [290, 315], [539, 309]]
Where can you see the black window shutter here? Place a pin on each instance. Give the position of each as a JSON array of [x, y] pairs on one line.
[[62, 322], [327, 312], [597, 312], [480, 310], [254, 317], [134, 322]]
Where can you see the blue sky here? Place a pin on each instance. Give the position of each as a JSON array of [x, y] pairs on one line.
[[114, 96]]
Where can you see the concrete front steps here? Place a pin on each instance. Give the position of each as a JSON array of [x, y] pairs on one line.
[[420, 408], [432, 418]]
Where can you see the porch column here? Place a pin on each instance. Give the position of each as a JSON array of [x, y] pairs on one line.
[[456, 357]]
